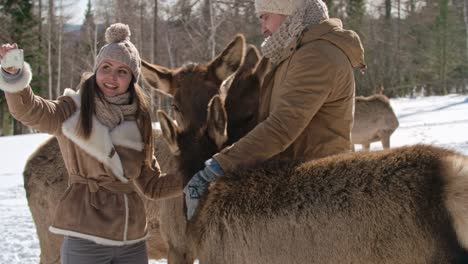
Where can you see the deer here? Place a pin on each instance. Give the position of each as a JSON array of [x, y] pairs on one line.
[[401, 205], [45, 176], [374, 120], [240, 92]]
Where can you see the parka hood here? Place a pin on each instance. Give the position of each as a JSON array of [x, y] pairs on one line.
[[347, 40]]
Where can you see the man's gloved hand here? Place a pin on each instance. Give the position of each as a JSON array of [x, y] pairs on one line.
[[198, 185]]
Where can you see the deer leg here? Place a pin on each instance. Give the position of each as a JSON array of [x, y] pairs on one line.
[[365, 146], [385, 139], [386, 142], [176, 257]]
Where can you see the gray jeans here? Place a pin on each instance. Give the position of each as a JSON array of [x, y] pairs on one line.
[[81, 251]]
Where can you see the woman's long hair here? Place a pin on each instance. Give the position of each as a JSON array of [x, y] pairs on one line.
[[89, 90]]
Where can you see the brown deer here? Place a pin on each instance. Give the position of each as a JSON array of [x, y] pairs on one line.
[[190, 101], [404, 205], [45, 175], [374, 120]]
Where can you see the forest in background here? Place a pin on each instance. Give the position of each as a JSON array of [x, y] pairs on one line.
[[411, 46]]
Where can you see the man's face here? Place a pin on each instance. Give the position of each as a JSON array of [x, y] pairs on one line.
[[270, 22]]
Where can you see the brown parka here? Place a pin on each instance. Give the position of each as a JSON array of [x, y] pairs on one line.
[[101, 203], [306, 102]]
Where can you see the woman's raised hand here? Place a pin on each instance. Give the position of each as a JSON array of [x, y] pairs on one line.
[[4, 49]]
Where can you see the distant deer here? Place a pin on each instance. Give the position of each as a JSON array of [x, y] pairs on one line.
[[374, 120]]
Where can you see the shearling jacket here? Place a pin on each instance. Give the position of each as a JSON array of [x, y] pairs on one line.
[[306, 101], [101, 202]]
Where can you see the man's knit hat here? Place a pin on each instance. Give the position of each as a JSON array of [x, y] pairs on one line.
[[120, 48], [289, 7]]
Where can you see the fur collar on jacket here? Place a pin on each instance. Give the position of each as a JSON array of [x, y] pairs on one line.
[[101, 142]]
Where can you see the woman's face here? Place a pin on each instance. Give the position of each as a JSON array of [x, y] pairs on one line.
[[113, 77]]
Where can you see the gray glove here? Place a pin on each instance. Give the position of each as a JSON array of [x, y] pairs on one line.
[[198, 185]]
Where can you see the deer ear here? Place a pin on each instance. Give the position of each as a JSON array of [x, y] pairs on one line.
[[169, 131], [251, 58], [159, 77], [229, 60], [262, 68], [217, 121]]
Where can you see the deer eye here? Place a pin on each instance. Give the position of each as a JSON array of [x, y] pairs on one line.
[[175, 108]]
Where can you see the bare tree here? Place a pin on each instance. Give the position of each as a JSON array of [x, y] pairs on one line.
[[465, 19], [154, 33], [51, 23], [58, 90]]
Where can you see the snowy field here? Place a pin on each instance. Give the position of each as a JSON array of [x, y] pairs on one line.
[[441, 121]]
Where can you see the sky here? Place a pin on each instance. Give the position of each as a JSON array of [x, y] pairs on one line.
[[79, 8], [437, 120]]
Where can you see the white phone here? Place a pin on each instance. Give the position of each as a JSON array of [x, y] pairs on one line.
[[13, 58]]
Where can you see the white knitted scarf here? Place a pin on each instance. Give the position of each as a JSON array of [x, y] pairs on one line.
[[291, 28]]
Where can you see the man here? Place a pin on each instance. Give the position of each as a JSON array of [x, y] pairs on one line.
[[307, 100]]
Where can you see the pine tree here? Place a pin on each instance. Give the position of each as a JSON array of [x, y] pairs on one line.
[[355, 11], [18, 15], [87, 43]]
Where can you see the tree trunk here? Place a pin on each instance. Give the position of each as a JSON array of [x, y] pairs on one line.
[[95, 43], [6, 121], [58, 91], [387, 50], [169, 51], [154, 45], [40, 68], [2, 113], [465, 19], [154, 33], [397, 56], [49, 47], [142, 23], [212, 29], [443, 44]]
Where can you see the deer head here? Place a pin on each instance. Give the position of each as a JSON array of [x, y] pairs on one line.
[[194, 147], [242, 95], [203, 124], [193, 85]]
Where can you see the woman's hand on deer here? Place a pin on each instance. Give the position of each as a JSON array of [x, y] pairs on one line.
[[198, 185], [4, 50]]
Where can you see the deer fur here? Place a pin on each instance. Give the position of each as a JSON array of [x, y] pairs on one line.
[[374, 120], [404, 205]]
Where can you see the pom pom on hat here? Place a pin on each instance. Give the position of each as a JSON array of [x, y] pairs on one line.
[[117, 32]]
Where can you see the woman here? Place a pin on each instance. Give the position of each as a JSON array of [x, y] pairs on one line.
[[105, 136]]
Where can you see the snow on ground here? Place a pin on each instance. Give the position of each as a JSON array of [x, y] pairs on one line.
[[434, 120]]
